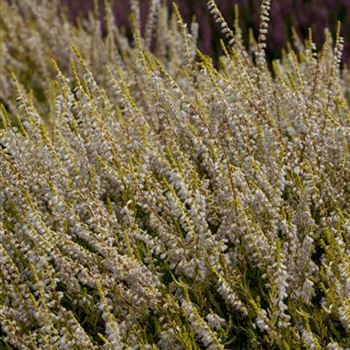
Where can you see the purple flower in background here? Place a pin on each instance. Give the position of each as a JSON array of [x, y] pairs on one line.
[[285, 14]]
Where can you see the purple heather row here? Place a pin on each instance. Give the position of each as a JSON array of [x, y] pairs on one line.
[[301, 14]]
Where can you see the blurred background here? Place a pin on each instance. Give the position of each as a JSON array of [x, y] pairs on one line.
[[300, 14]]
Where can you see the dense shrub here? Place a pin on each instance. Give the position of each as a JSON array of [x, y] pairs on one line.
[[301, 14], [151, 201]]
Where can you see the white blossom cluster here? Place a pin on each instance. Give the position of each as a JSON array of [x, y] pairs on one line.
[[151, 201]]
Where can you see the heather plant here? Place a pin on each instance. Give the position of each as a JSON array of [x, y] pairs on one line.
[[285, 15], [149, 200]]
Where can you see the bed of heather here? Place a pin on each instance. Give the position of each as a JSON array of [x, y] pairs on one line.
[[150, 199]]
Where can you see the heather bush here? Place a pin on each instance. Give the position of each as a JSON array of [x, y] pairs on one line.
[[286, 14], [149, 200]]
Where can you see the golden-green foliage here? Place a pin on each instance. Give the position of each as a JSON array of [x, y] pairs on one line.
[[151, 201]]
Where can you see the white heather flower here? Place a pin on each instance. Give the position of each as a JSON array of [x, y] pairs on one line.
[[215, 321]]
